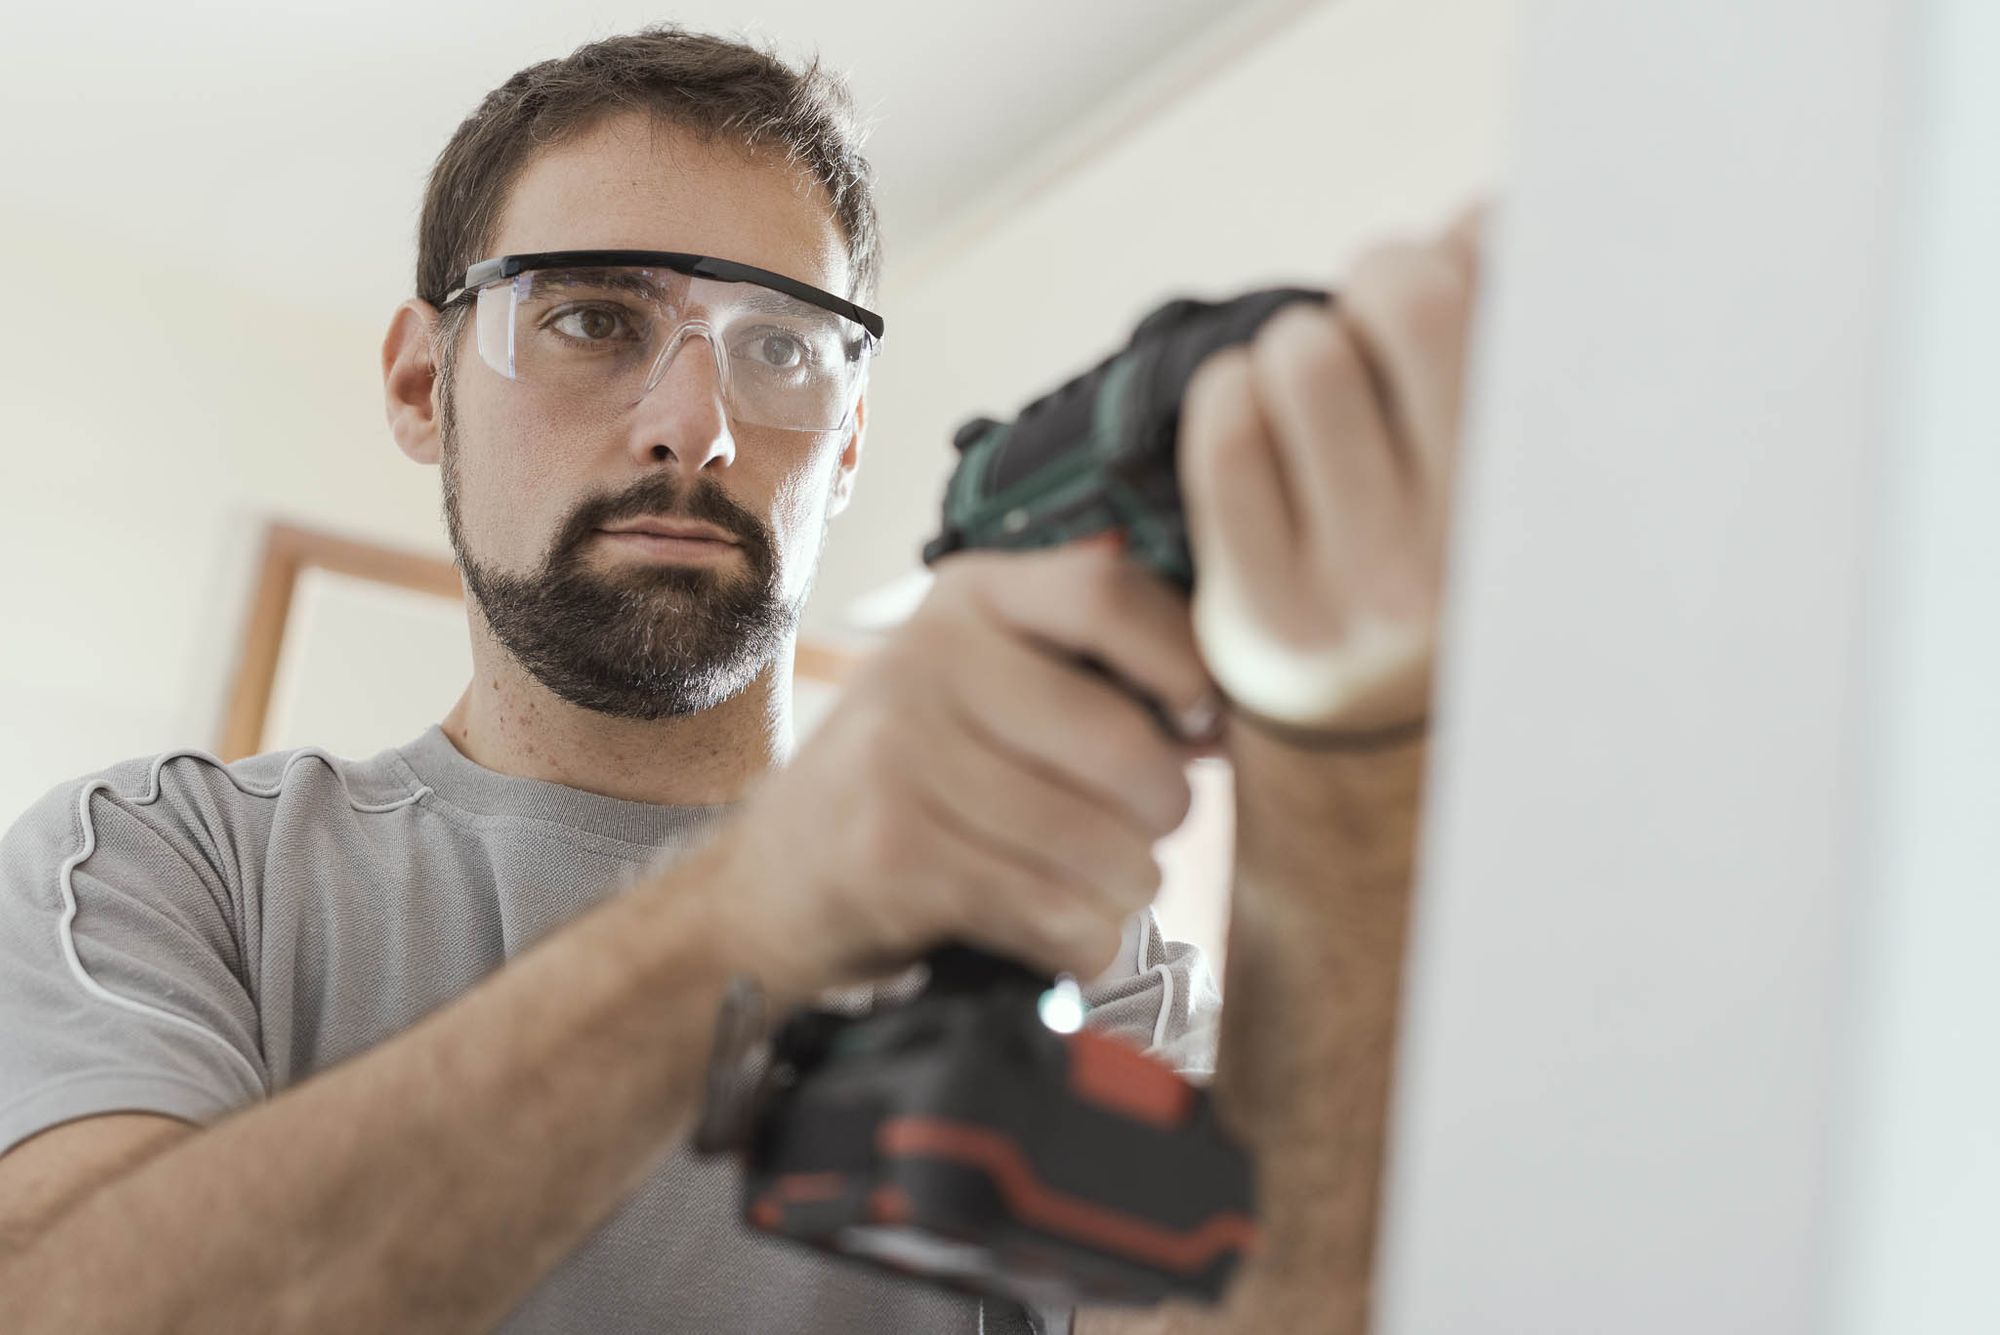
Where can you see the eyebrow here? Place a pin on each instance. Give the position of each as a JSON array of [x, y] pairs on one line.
[[750, 296], [757, 297], [620, 280]]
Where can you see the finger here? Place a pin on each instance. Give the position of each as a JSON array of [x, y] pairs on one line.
[[1060, 832], [1323, 403], [1091, 602], [1066, 721], [1464, 247], [1408, 307], [1014, 911], [1464, 241], [1241, 523]]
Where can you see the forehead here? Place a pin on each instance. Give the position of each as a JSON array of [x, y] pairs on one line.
[[635, 183]]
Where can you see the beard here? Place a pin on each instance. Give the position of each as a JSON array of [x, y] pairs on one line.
[[639, 642]]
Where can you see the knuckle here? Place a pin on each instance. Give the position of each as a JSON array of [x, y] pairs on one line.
[[947, 586], [1410, 287], [1435, 303], [1096, 946], [1136, 880], [957, 569], [1217, 402], [923, 652], [1107, 855], [958, 581], [1310, 347], [1147, 887], [1165, 804]]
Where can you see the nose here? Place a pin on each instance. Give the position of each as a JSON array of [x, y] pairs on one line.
[[682, 419]]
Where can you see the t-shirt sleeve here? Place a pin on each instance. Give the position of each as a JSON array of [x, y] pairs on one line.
[[1162, 996], [122, 978]]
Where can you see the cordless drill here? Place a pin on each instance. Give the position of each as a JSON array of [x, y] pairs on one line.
[[973, 1136]]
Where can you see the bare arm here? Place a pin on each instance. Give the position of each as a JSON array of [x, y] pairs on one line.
[[1318, 467], [48, 1173], [430, 1182], [1325, 846], [1323, 885]]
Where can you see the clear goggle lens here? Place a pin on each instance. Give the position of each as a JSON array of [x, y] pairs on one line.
[[607, 336]]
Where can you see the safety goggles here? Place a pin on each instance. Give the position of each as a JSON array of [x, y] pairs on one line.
[[596, 327]]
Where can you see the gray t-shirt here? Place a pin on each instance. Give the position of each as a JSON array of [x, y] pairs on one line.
[[185, 937]]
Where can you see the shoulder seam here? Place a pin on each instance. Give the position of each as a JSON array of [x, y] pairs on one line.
[[65, 927], [603, 845], [249, 790]]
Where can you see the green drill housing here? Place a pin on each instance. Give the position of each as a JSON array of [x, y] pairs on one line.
[[1099, 453]]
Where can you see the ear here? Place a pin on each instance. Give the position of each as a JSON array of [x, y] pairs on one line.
[[850, 460], [409, 381]]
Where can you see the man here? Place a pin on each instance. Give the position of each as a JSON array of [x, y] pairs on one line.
[[412, 1042]]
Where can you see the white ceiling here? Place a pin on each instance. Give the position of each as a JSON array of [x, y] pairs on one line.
[[283, 146]]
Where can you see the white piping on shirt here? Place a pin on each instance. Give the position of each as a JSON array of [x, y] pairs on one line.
[[1166, 1002], [65, 930], [1141, 955]]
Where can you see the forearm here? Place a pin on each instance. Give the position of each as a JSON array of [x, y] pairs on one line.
[[1325, 847], [429, 1183]]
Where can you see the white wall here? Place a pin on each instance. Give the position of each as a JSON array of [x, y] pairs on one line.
[[364, 666], [1703, 1009], [1917, 1194], [150, 420], [1355, 116]]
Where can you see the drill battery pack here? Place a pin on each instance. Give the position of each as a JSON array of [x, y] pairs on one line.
[[960, 1138]]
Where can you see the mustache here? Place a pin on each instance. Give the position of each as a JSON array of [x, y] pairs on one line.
[[661, 497]]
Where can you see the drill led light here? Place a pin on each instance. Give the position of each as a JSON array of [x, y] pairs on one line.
[[1061, 1007]]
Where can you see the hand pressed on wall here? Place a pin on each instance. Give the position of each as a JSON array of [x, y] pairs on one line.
[[1317, 465]]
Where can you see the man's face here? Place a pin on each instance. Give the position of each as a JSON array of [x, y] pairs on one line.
[[618, 624]]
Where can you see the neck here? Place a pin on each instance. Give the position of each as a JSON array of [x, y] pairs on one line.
[[511, 723]]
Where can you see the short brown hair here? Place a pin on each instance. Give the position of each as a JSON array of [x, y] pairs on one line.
[[721, 89]]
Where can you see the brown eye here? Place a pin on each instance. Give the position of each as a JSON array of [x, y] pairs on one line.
[[774, 351], [591, 324]]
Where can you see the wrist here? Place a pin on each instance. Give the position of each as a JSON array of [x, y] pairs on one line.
[[1325, 839], [1289, 768], [1354, 739]]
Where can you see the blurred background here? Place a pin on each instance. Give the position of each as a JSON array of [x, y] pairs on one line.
[[210, 211]]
